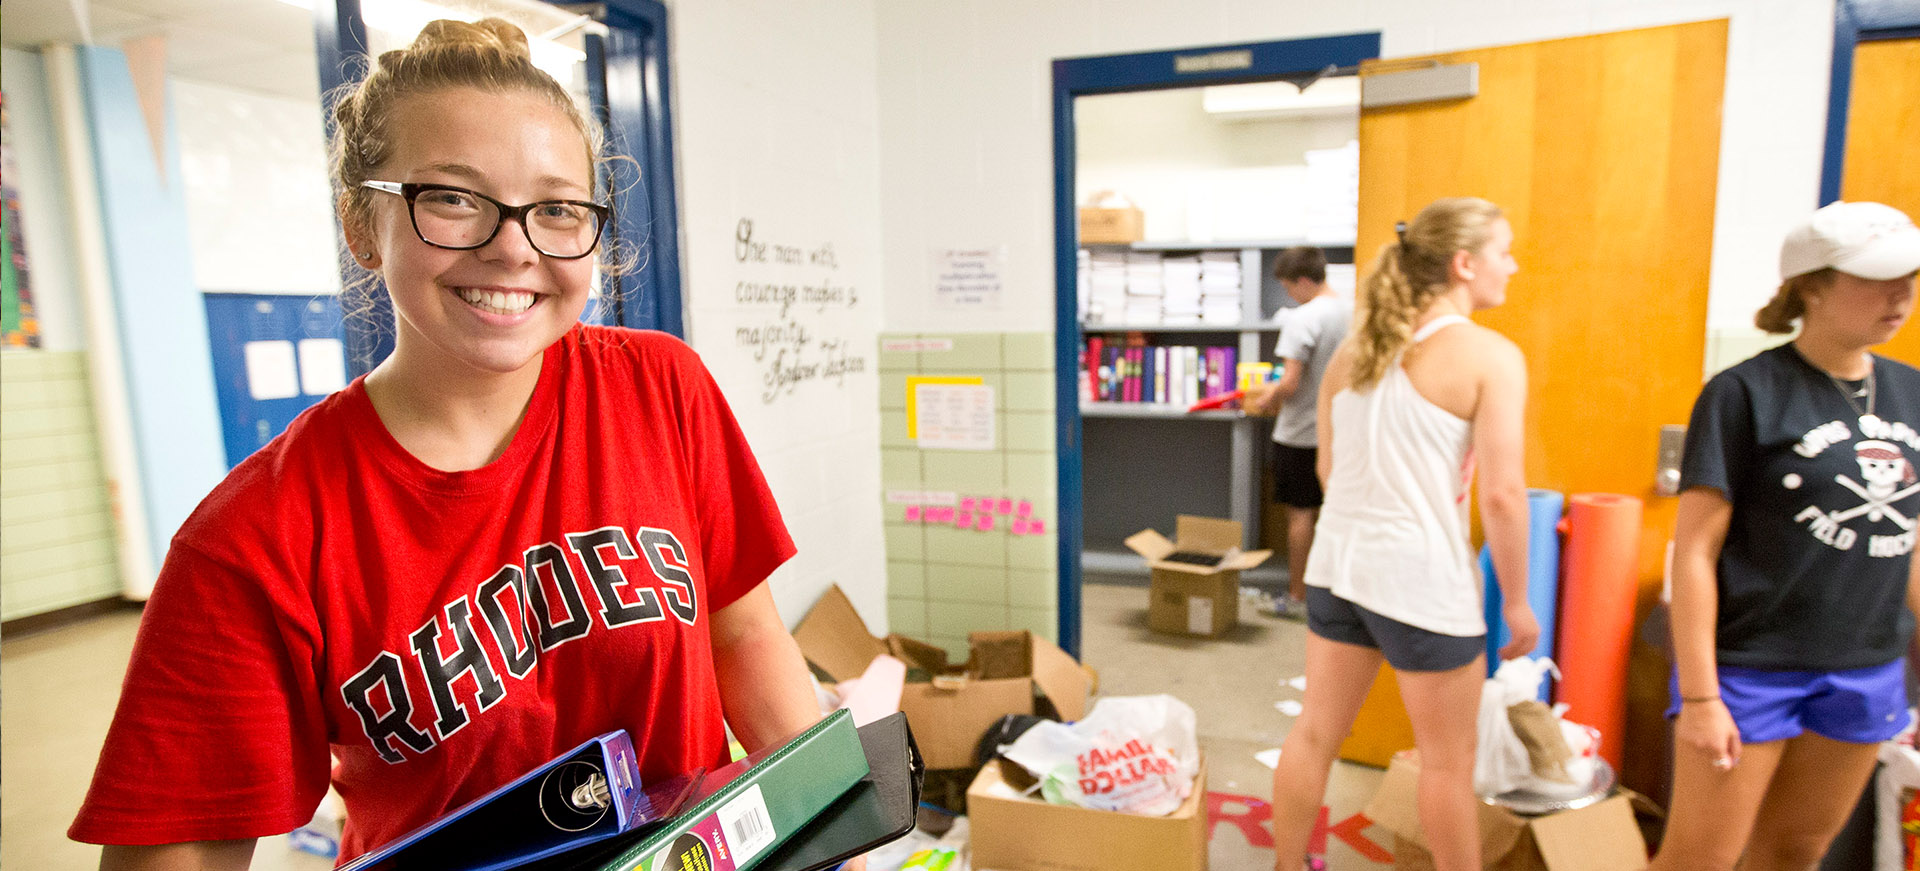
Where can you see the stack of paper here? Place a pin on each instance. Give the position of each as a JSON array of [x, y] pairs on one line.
[[1105, 275], [1145, 288], [1220, 289], [1180, 279]]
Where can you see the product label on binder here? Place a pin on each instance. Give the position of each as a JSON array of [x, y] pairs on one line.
[[724, 840]]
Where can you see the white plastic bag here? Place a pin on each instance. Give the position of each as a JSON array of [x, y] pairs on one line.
[[1500, 763], [1135, 754]]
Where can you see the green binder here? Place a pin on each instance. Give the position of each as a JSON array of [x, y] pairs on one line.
[[744, 810]]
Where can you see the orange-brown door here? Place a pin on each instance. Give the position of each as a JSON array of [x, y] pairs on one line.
[[1603, 152], [1882, 162]]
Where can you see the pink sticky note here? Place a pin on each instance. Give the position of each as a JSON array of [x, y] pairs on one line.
[[963, 520], [966, 503], [1024, 509], [913, 514], [1005, 506], [1019, 526], [984, 523], [946, 514], [1036, 526]]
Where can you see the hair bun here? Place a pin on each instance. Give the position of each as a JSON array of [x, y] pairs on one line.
[[488, 33]]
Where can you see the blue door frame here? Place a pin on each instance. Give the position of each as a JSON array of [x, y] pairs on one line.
[[1855, 22], [1109, 74], [630, 101]]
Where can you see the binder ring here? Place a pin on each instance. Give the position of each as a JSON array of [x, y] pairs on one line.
[[557, 796]]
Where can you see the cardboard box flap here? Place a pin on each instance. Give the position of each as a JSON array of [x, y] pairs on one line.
[[1149, 544], [1395, 806], [1000, 655], [1212, 534], [1603, 837], [1245, 560], [1064, 682], [930, 658], [834, 638]]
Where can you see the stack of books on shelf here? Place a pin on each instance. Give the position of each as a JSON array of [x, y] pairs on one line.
[[1219, 288], [1137, 372], [1104, 273], [1146, 289]]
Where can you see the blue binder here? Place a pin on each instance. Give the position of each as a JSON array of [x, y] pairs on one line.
[[588, 794]]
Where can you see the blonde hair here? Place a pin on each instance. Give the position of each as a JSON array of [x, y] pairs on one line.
[[1409, 274], [1789, 302]]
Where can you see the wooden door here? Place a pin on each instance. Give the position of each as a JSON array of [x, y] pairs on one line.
[[1882, 162], [1603, 152]]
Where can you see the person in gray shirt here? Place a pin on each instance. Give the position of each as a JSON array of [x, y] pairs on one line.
[[1306, 344]]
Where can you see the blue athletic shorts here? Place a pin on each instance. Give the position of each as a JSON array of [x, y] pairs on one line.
[[1858, 706], [1406, 647]]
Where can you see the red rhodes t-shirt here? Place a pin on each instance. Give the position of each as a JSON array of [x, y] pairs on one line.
[[441, 632]]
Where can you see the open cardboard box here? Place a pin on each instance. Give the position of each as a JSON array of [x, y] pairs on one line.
[[1599, 837], [1195, 598], [1013, 831], [949, 707]]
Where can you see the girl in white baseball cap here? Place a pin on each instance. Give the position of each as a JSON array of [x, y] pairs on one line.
[[1794, 587]]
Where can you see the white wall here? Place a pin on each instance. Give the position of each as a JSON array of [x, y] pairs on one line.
[[776, 122], [258, 205], [966, 133], [45, 221], [1184, 168]]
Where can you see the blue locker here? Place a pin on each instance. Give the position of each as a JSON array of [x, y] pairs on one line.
[[273, 356]]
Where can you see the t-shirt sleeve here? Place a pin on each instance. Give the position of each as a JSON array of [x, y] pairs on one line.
[[219, 732], [1720, 436], [1300, 336], [742, 536]]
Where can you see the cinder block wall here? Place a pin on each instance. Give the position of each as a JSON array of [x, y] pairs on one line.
[[942, 581], [56, 526]]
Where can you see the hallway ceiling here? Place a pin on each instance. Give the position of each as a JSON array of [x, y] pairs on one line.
[[257, 45]]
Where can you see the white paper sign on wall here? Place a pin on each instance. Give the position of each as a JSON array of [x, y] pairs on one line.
[[955, 417], [968, 278]]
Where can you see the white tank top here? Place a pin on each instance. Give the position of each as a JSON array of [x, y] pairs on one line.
[[1392, 535]]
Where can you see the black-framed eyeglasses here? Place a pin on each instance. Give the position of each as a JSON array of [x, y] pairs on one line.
[[459, 219]]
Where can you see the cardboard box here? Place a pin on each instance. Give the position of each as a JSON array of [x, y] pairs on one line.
[[949, 707], [1195, 598], [1112, 226], [1011, 832], [1599, 837]]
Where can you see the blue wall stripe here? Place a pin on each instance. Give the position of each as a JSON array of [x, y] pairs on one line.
[[162, 321]]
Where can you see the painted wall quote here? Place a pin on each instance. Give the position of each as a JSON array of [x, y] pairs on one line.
[[796, 289]]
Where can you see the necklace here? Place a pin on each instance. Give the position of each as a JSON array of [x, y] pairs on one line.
[[1866, 415]]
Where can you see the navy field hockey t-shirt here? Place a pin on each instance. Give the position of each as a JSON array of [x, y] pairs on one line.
[[1813, 575]]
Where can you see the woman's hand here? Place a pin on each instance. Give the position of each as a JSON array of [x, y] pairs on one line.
[[1707, 727], [1524, 628]]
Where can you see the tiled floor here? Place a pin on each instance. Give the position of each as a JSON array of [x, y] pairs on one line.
[[59, 688], [57, 692], [1232, 683]]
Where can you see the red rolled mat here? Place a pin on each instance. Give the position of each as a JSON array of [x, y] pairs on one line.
[[1598, 584]]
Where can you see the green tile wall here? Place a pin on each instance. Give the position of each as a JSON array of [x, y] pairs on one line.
[[56, 524], [945, 582]]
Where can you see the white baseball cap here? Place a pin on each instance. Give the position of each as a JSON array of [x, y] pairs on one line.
[[1864, 239]]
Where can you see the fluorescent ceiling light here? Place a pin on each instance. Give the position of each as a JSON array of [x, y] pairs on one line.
[[1333, 95], [403, 19]]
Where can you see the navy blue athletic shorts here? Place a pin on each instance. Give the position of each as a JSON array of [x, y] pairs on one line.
[[1406, 647]]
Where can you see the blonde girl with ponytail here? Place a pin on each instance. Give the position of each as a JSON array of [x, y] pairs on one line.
[[1414, 401], [518, 532]]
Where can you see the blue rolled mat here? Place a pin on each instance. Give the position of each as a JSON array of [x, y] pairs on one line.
[[1544, 508]]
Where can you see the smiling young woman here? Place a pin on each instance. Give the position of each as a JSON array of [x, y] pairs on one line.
[[518, 532]]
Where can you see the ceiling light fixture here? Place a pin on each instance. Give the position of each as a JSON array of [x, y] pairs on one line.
[[402, 19]]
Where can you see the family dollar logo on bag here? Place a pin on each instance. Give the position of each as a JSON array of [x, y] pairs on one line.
[[1909, 826], [1126, 776]]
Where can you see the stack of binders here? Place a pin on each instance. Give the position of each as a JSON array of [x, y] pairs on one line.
[[823, 795]]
